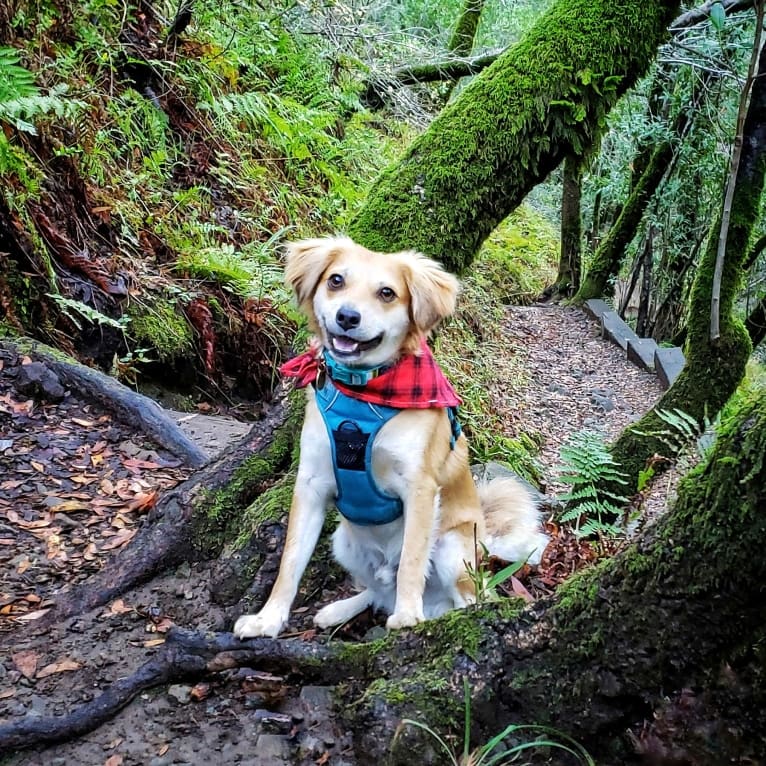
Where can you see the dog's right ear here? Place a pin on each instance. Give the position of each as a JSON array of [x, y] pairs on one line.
[[306, 261]]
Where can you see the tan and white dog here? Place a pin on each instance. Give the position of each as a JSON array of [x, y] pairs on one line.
[[372, 310]]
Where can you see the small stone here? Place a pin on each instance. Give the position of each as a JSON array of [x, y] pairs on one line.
[[180, 693], [602, 399], [273, 748], [273, 723], [36, 380], [317, 697]]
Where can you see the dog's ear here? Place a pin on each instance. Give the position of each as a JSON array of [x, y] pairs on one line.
[[433, 291], [306, 261]]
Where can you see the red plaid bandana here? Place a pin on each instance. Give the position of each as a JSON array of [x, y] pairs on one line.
[[414, 382]]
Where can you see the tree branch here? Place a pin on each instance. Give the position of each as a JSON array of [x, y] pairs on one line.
[[702, 12]]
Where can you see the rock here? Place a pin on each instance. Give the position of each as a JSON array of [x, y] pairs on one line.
[[273, 749], [317, 697], [180, 693], [273, 723], [603, 399], [36, 380]]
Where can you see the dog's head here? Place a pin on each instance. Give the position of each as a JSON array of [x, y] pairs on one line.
[[368, 308]]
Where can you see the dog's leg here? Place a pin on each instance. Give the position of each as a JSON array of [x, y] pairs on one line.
[[419, 520], [314, 487], [307, 514], [342, 611]]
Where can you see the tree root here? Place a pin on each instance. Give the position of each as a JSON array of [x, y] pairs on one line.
[[131, 407], [185, 655]]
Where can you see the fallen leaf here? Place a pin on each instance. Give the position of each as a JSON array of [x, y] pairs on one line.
[[39, 467], [152, 642], [84, 423], [114, 760], [200, 691], [31, 616], [58, 667], [163, 750], [121, 538], [520, 590], [25, 662], [119, 607], [6, 693]]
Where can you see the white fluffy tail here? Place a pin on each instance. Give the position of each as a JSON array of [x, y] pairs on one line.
[[514, 531]]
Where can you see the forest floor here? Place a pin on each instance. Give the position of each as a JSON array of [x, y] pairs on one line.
[[74, 486]]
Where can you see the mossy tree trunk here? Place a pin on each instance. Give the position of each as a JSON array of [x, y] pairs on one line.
[[608, 257], [570, 260], [664, 614], [542, 100], [714, 367]]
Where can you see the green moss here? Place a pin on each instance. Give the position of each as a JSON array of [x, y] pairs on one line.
[[546, 98], [163, 327], [219, 515]]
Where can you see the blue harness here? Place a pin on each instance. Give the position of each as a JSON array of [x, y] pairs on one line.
[[352, 426]]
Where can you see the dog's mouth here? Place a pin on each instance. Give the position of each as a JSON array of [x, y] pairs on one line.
[[345, 346]]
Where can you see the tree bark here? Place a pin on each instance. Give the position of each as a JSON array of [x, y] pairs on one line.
[[713, 368], [540, 101], [570, 260], [607, 259]]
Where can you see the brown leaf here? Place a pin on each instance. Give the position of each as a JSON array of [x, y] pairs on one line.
[[520, 590], [114, 760], [84, 423], [121, 538], [119, 607], [7, 693], [163, 750], [58, 667], [31, 616], [200, 691], [25, 662]]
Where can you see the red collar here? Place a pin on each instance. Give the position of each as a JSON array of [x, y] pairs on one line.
[[414, 382]]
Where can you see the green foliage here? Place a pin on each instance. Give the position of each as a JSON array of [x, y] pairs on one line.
[[163, 326], [485, 582], [589, 469], [505, 747], [677, 429]]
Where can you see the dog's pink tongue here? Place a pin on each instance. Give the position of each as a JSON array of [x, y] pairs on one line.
[[344, 345]]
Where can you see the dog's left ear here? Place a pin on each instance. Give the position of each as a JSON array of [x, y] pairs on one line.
[[433, 291]]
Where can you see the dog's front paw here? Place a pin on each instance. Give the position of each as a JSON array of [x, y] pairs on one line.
[[266, 623], [404, 618], [330, 615]]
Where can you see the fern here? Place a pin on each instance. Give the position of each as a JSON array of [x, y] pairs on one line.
[[682, 429], [593, 502], [21, 101]]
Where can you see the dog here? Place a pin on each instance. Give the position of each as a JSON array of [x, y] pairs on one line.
[[395, 465]]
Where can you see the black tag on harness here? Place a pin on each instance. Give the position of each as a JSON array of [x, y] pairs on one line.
[[350, 446]]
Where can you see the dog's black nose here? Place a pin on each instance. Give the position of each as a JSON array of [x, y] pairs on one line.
[[348, 318]]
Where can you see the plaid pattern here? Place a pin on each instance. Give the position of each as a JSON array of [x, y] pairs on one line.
[[414, 382]]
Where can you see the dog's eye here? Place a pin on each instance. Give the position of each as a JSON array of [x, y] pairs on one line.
[[386, 294], [335, 282]]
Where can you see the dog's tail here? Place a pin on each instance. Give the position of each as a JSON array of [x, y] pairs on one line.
[[514, 531]]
